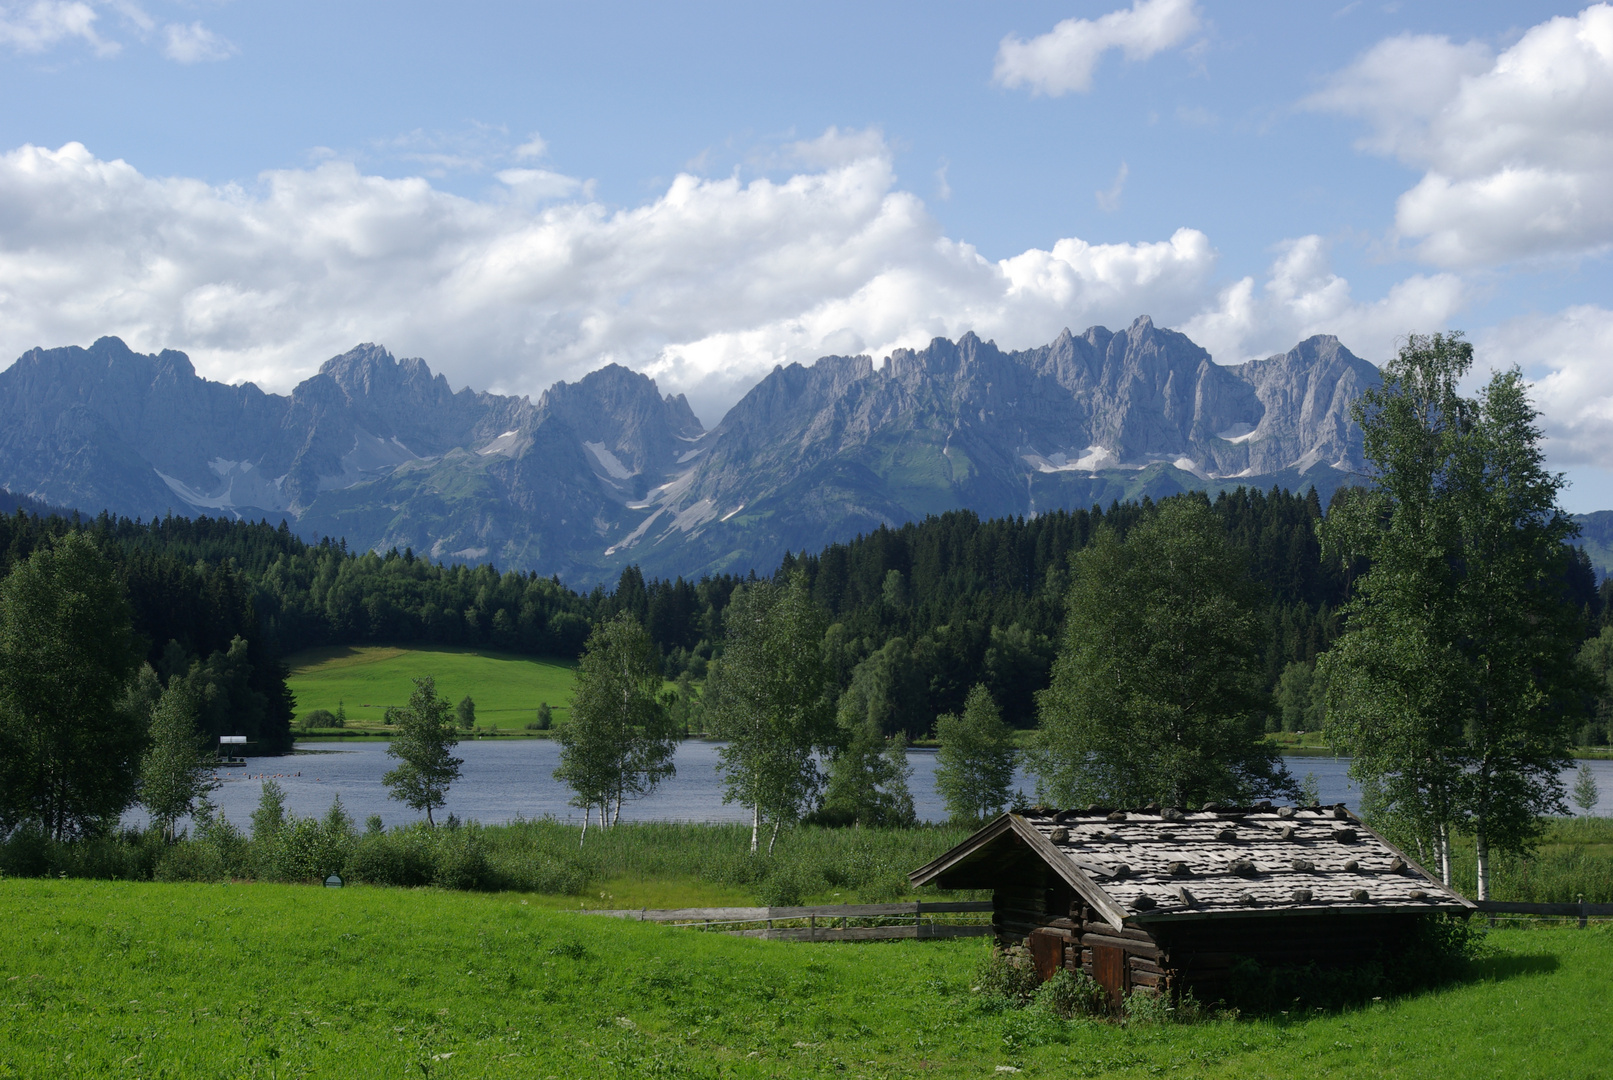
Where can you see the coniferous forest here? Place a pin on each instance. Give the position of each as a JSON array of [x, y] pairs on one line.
[[917, 614]]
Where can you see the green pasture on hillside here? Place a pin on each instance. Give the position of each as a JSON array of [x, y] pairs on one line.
[[118, 979], [505, 686]]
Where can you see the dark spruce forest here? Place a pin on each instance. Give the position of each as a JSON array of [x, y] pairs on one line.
[[919, 613]]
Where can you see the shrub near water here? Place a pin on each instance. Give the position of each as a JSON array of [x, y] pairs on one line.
[[809, 864]]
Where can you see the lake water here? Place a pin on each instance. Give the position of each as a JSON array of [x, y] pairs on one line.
[[502, 780]]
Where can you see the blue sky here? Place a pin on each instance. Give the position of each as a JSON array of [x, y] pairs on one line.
[[520, 192]]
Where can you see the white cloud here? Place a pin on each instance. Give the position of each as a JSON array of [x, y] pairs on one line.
[[539, 183], [1303, 296], [532, 149], [1109, 201], [195, 44], [1516, 148], [707, 286], [1568, 357], [1063, 59], [36, 27]]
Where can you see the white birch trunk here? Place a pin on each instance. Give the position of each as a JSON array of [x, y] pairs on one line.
[[1445, 855], [755, 824], [587, 812], [772, 841], [1482, 846]]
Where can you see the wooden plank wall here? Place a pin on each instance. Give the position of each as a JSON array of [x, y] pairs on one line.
[[1037, 901]]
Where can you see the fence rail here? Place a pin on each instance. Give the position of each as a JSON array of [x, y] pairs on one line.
[[913, 925], [1583, 911]]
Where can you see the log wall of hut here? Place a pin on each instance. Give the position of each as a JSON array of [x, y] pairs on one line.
[[1033, 908]]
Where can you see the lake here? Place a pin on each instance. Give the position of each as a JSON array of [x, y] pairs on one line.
[[502, 780]]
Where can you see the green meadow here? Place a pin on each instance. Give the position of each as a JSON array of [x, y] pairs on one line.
[[366, 679], [136, 979]]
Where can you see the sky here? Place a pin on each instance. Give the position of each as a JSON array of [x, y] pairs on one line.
[[522, 192]]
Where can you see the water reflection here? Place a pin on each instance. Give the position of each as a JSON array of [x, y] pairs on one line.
[[502, 780]]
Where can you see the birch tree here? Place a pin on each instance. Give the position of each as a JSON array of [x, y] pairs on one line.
[[176, 769], [1454, 686], [69, 750], [619, 743], [423, 748], [974, 769], [1158, 690], [773, 705]]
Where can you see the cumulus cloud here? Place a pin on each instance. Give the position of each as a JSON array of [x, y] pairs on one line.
[[194, 44], [706, 286], [1302, 296], [1063, 59], [1516, 147], [1568, 358], [36, 27]]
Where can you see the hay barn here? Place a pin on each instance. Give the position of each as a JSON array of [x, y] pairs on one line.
[[1170, 900]]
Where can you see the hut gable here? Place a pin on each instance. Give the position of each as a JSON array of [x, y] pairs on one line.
[[1164, 897]]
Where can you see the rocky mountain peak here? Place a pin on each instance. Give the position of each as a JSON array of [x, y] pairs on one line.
[[607, 470]]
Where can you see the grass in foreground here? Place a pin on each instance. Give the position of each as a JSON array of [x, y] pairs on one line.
[[100, 979], [505, 686]]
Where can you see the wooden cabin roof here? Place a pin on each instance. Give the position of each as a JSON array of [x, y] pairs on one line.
[[1157, 865]]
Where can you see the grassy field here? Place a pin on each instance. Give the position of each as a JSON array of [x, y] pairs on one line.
[[101, 979], [366, 679]]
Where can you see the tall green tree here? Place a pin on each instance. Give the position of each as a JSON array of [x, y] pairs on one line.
[[974, 769], [1455, 687], [619, 743], [176, 769], [772, 702], [423, 745], [69, 753], [868, 774], [1158, 691]]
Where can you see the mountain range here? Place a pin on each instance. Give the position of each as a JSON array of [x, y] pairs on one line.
[[608, 471]]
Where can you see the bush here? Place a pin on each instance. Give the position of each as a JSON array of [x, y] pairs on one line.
[[402, 857], [229, 844], [787, 884], [1069, 994], [26, 852], [1146, 1007], [1004, 977], [538, 873], [190, 860], [461, 859], [130, 856]]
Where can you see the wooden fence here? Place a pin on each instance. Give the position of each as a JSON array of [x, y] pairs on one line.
[[909, 920], [875, 921], [1580, 909]]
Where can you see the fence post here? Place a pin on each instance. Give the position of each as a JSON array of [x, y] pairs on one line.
[[812, 927], [1583, 913]]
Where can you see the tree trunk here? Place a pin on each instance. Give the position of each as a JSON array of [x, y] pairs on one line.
[[755, 824], [1445, 854], [587, 812], [1482, 848], [772, 841], [429, 822], [616, 818]]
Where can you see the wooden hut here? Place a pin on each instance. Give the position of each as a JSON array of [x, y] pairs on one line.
[[1170, 900]]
